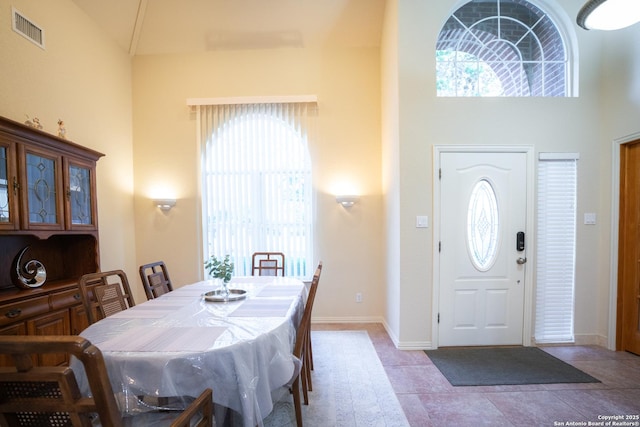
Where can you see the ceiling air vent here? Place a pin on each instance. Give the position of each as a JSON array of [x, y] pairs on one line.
[[27, 28]]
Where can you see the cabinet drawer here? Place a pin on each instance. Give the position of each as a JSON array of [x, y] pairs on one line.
[[14, 312], [65, 299]]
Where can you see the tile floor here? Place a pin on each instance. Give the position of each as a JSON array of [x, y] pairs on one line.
[[429, 400]]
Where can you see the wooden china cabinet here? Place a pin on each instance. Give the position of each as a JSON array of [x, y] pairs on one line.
[[48, 206]]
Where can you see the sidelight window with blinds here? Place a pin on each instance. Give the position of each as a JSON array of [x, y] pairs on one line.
[[256, 182], [556, 247]]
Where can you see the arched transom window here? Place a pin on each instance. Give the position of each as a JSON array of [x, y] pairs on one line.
[[501, 48]]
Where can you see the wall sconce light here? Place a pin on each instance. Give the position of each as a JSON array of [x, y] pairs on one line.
[[164, 204], [608, 14], [347, 201]]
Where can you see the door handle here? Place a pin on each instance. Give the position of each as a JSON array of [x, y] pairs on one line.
[[521, 260]]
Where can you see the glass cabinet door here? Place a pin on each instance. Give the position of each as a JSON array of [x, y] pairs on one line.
[[79, 194], [43, 186], [8, 188], [4, 185]]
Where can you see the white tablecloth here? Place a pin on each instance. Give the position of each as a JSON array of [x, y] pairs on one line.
[[179, 344]]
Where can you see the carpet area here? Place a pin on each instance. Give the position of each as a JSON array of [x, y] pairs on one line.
[[350, 386], [504, 366]]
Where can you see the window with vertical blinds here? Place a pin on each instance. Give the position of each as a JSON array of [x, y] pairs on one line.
[[556, 247], [256, 183]]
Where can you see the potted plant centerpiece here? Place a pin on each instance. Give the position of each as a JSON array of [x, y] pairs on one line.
[[220, 269]]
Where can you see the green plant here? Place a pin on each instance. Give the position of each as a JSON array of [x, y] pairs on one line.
[[219, 268]]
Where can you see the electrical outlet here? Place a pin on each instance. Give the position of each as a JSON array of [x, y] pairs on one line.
[[358, 297]]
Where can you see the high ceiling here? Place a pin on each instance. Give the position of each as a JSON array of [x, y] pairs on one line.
[[147, 27]]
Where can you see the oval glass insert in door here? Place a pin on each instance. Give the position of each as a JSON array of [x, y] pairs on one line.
[[483, 224]]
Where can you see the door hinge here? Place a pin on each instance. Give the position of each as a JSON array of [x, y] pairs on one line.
[[439, 173], [438, 317], [439, 246]]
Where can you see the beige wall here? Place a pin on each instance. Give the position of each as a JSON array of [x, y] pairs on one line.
[[347, 84], [84, 79]]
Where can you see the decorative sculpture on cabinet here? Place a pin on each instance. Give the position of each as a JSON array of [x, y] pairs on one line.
[[31, 274]]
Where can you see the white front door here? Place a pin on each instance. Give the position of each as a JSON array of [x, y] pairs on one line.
[[483, 200]]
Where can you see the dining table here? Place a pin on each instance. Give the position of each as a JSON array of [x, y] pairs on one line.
[[170, 348]]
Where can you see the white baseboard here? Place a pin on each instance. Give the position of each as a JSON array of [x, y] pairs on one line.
[[391, 333], [373, 319], [584, 339], [591, 339], [400, 345], [579, 339], [415, 345], [407, 345]]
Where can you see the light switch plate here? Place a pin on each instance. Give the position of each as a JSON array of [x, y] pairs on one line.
[[589, 218], [422, 221]]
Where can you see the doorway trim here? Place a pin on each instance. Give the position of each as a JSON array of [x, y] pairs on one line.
[[529, 230], [615, 229]]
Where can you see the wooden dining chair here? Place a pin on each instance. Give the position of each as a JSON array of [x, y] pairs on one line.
[[300, 351], [105, 293], [49, 395], [267, 264], [155, 279], [309, 349]]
